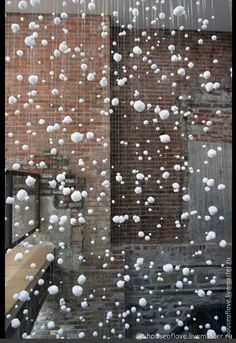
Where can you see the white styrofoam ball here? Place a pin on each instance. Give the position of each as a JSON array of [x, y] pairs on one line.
[[41, 282], [179, 11], [24, 296], [77, 137], [81, 279], [89, 135], [141, 234], [174, 58], [212, 210], [67, 120], [81, 334], [164, 138], [179, 284], [115, 102], [22, 195], [135, 12], [207, 74], [63, 47], [166, 175], [30, 181], [186, 197], [162, 15], [210, 236], [12, 100], [191, 65], [140, 176], [117, 57], [60, 177], [168, 268], [77, 290], [142, 302], [167, 327], [84, 66], [16, 166], [150, 200], [22, 5], [201, 293], [90, 77], [164, 114], [15, 323], [210, 182], [216, 85], [185, 271], [127, 278], [211, 153], [51, 325], [29, 41], [10, 200], [55, 91], [181, 72], [91, 6], [50, 257], [15, 28], [209, 87], [66, 191], [139, 106], [76, 196], [119, 178], [44, 42], [137, 50], [138, 190], [171, 47], [120, 283], [211, 334], [223, 243], [53, 219], [53, 290], [103, 82], [18, 257]]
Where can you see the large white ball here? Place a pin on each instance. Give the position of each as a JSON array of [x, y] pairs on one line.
[[139, 106], [168, 268], [15, 323], [142, 302], [164, 114], [24, 296], [22, 195], [76, 196], [81, 279], [77, 291], [77, 137], [164, 138], [22, 5], [117, 57], [137, 50], [53, 290], [179, 11]]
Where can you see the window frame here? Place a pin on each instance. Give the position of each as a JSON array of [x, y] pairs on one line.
[[8, 207]]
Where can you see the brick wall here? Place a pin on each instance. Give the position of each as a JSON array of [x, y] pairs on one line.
[[86, 116], [127, 125]]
